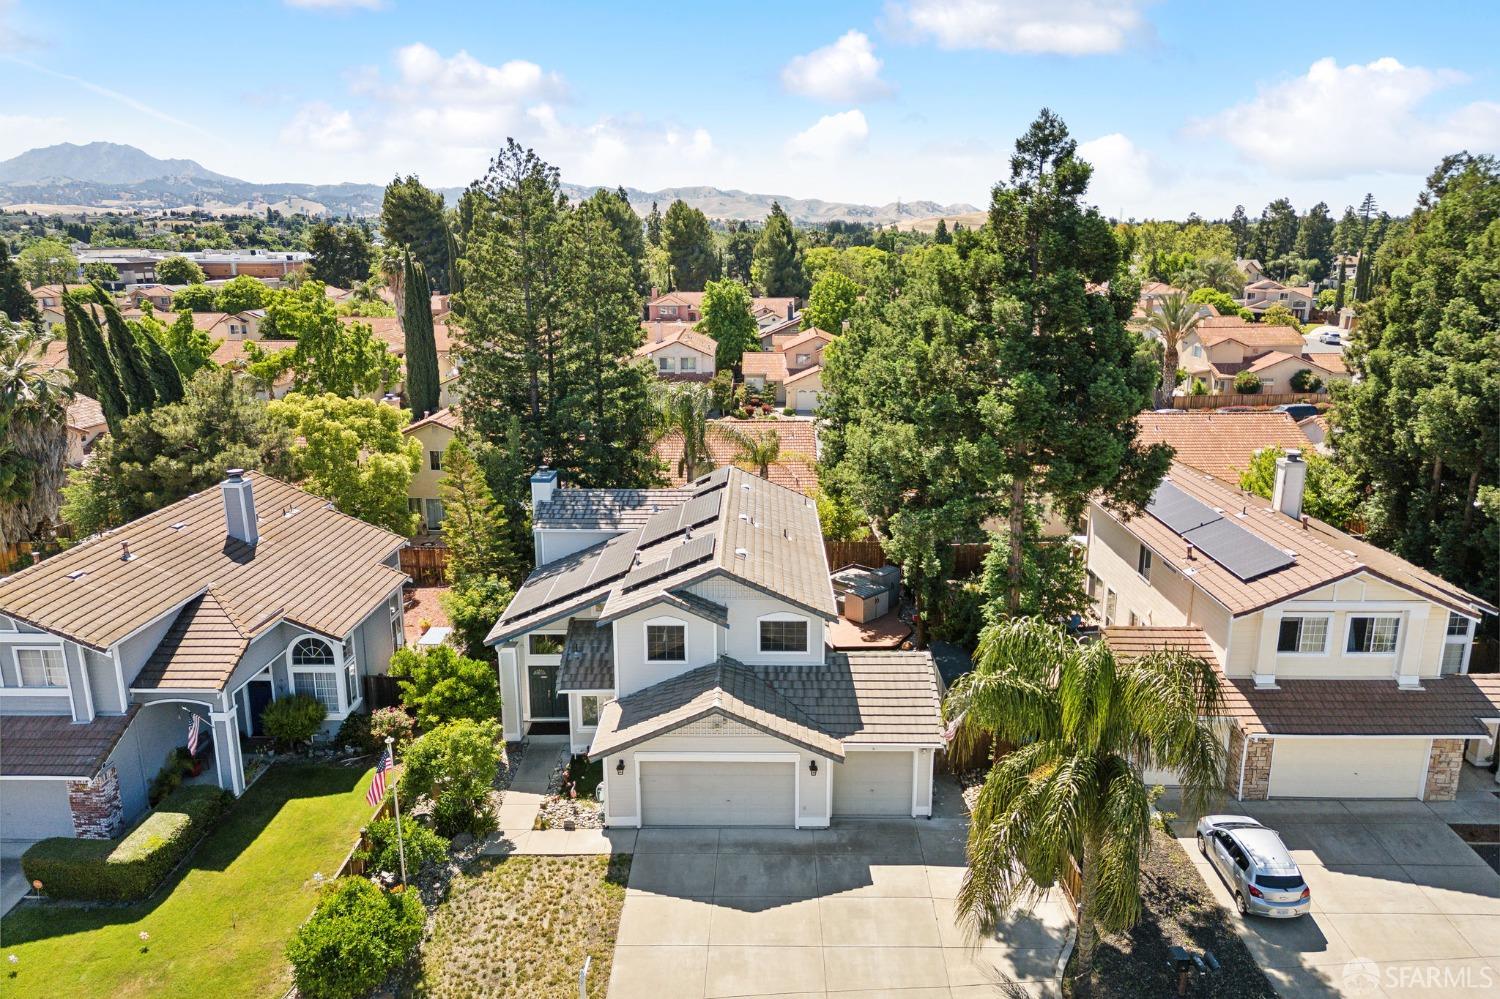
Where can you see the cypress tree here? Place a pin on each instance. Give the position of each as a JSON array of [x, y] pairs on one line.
[[165, 378], [15, 301], [79, 361], [776, 268], [102, 378], [455, 280], [422, 376], [130, 364]]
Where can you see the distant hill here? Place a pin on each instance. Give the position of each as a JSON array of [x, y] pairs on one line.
[[106, 175]]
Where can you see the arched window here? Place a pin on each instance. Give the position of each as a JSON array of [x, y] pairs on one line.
[[313, 672]]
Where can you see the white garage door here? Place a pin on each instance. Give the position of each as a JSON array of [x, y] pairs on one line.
[[717, 793], [873, 783], [1348, 768], [34, 809], [807, 400]]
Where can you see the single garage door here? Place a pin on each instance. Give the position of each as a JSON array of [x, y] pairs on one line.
[[873, 783], [1348, 768], [34, 809], [717, 793], [807, 400]]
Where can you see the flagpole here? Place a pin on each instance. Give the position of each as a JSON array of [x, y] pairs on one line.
[[390, 748]]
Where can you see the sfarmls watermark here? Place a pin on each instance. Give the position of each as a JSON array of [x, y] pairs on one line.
[[1363, 977]]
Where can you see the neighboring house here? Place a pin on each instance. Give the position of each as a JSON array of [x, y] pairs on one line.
[[213, 606], [1261, 295], [685, 647], [1217, 349], [1277, 369], [232, 353], [1317, 430], [48, 299], [1346, 667], [159, 295], [388, 330], [85, 424], [434, 433], [1221, 444], [678, 352], [1251, 268], [687, 307], [792, 367], [797, 467], [139, 266]]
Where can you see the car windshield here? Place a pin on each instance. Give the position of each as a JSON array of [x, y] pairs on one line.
[[1279, 881]]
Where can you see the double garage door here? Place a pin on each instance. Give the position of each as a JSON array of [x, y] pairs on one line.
[[717, 793], [1348, 768]]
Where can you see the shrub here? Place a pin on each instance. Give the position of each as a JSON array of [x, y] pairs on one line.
[[789, 411], [169, 778], [1247, 383], [357, 935], [455, 765], [130, 868], [440, 685], [393, 722], [962, 614], [473, 605], [1199, 388], [584, 776], [423, 846], [293, 720], [354, 732], [1306, 381]]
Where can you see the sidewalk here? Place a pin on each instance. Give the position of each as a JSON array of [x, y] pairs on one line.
[[523, 800]]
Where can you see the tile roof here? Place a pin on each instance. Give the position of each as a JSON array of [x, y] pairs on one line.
[[855, 698], [198, 652], [805, 337], [767, 364], [588, 657], [1221, 444], [1449, 705], [795, 469], [1252, 335], [662, 334], [52, 746], [816, 369], [388, 330], [1335, 366], [318, 568], [447, 418], [1322, 554], [1330, 361], [84, 413], [604, 509]]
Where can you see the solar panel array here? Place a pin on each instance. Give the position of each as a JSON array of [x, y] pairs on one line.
[[1216, 536], [567, 578], [713, 480], [701, 509], [689, 553]]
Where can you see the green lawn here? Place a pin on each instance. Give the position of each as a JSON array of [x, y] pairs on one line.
[[218, 928]]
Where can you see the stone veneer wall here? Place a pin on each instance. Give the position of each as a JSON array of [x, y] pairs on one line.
[[98, 812], [1255, 768], [1444, 764]]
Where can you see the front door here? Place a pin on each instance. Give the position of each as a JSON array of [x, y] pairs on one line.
[[259, 692], [546, 702]]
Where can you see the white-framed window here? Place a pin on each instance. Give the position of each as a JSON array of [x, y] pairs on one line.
[[544, 643], [666, 642], [668, 310], [434, 514], [689, 364], [803, 360], [314, 672], [435, 460], [783, 634], [1143, 562], [1456, 643], [1373, 635], [41, 668], [588, 710], [664, 364], [1111, 605], [351, 682], [1303, 635], [398, 629]]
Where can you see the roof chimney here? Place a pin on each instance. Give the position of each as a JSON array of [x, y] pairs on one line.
[[239, 507], [1291, 477], [543, 485]]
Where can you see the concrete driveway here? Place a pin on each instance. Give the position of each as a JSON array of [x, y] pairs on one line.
[[862, 909], [1400, 905]]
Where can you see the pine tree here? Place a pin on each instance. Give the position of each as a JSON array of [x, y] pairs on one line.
[[411, 215], [474, 529], [1239, 225], [15, 301], [777, 269], [102, 377], [135, 375], [689, 242], [653, 226], [423, 379], [166, 380], [940, 234]]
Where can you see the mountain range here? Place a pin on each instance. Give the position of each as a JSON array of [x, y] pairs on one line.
[[107, 175]]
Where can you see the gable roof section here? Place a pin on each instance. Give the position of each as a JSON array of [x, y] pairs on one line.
[[767, 364], [320, 569], [816, 369], [84, 413], [661, 334], [199, 651], [1221, 444], [448, 418], [795, 469], [604, 509], [1321, 554], [1258, 337], [52, 746]]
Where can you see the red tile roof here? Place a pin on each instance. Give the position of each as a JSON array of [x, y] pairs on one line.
[[797, 468], [1221, 444]]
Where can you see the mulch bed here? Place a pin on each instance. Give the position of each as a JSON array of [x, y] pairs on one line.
[[1477, 832], [1179, 910]]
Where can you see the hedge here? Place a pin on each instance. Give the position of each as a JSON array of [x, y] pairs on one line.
[[130, 868]]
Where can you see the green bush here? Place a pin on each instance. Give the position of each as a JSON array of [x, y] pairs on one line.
[[177, 766], [358, 935], [455, 765], [1247, 383], [423, 846], [354, 732], [393, 722], [293, 720], [1305, 381], [441, 685], [453, 815], [130, 868], [962, 614]]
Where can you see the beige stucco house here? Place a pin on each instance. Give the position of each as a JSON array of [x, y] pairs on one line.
[[434, 433], [678, 352], [792, 366]]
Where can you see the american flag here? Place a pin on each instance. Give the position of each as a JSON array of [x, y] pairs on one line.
[[377, 786], [193, 735]]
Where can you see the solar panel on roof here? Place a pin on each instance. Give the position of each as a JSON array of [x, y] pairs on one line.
[[689, 552], [1178, 510], [700, 509], [641, 576], [661, 525], [1237, 550], [713, 480]]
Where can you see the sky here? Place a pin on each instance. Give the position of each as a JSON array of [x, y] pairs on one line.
[[1181, 106]]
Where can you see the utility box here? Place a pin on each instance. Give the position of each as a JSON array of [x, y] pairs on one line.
[[864, 594]]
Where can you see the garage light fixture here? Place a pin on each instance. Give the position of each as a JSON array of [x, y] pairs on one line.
[[620, 766], [812, 767]]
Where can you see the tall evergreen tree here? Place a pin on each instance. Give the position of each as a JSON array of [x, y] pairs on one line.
[[1277, 230], [411, 215], [455, 277], [653, 226], [727, 318], [1239, 226], [940, 234], [15, 300], [166, 380], [341, 254], [423, 379], [777, 269], [1315, 237], [614, 208], [689, 243], [86, 343], [130, 363]]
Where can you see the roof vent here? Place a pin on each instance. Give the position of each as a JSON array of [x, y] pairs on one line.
[[1191, 551], [744, 516], [742, 553], [745, 486], [179, 525], [125, 555], [77, 574], [786, 532]]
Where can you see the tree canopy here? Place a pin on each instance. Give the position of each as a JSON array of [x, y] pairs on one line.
[[179, 270], [776, 267], [412, 217], [341, 254], [689, 243], [727, 318], [830, 302]]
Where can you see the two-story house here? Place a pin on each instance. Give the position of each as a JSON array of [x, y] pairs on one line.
[[1261, 295], [1345, 668], [1219, 348], [792, 367], [211, 607], [424, 495], [687, 307], [678, 352], [680, 636]]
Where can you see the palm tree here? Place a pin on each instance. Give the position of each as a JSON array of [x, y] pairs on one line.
[[760, 450], [1086, 724], [683, 407], [1218, 273], [1174, 318], [33, 439]]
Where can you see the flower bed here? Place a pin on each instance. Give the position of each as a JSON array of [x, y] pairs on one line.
[[571, 796]]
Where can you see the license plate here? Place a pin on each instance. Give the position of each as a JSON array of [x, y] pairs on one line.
[[1284, 912]]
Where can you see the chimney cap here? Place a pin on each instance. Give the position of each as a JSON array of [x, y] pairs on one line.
[[235, 474]]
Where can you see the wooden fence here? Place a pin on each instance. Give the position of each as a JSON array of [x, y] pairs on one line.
[[1259, 399], [353, 865], [18, 555], [427, 566], [967, 557]]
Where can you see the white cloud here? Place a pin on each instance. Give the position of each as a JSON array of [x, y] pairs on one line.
[[1338, 121], [843, 72], [336, 4], [428, 76], [1066, 27], [323, 128], [1123, 173], [831, 136]]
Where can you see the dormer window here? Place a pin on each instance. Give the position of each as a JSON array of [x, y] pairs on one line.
[[1303, 635], [41, 668], [1373, 636]]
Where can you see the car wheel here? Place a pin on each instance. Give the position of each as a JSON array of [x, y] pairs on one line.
[[1239, 903], [1202, 845]]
